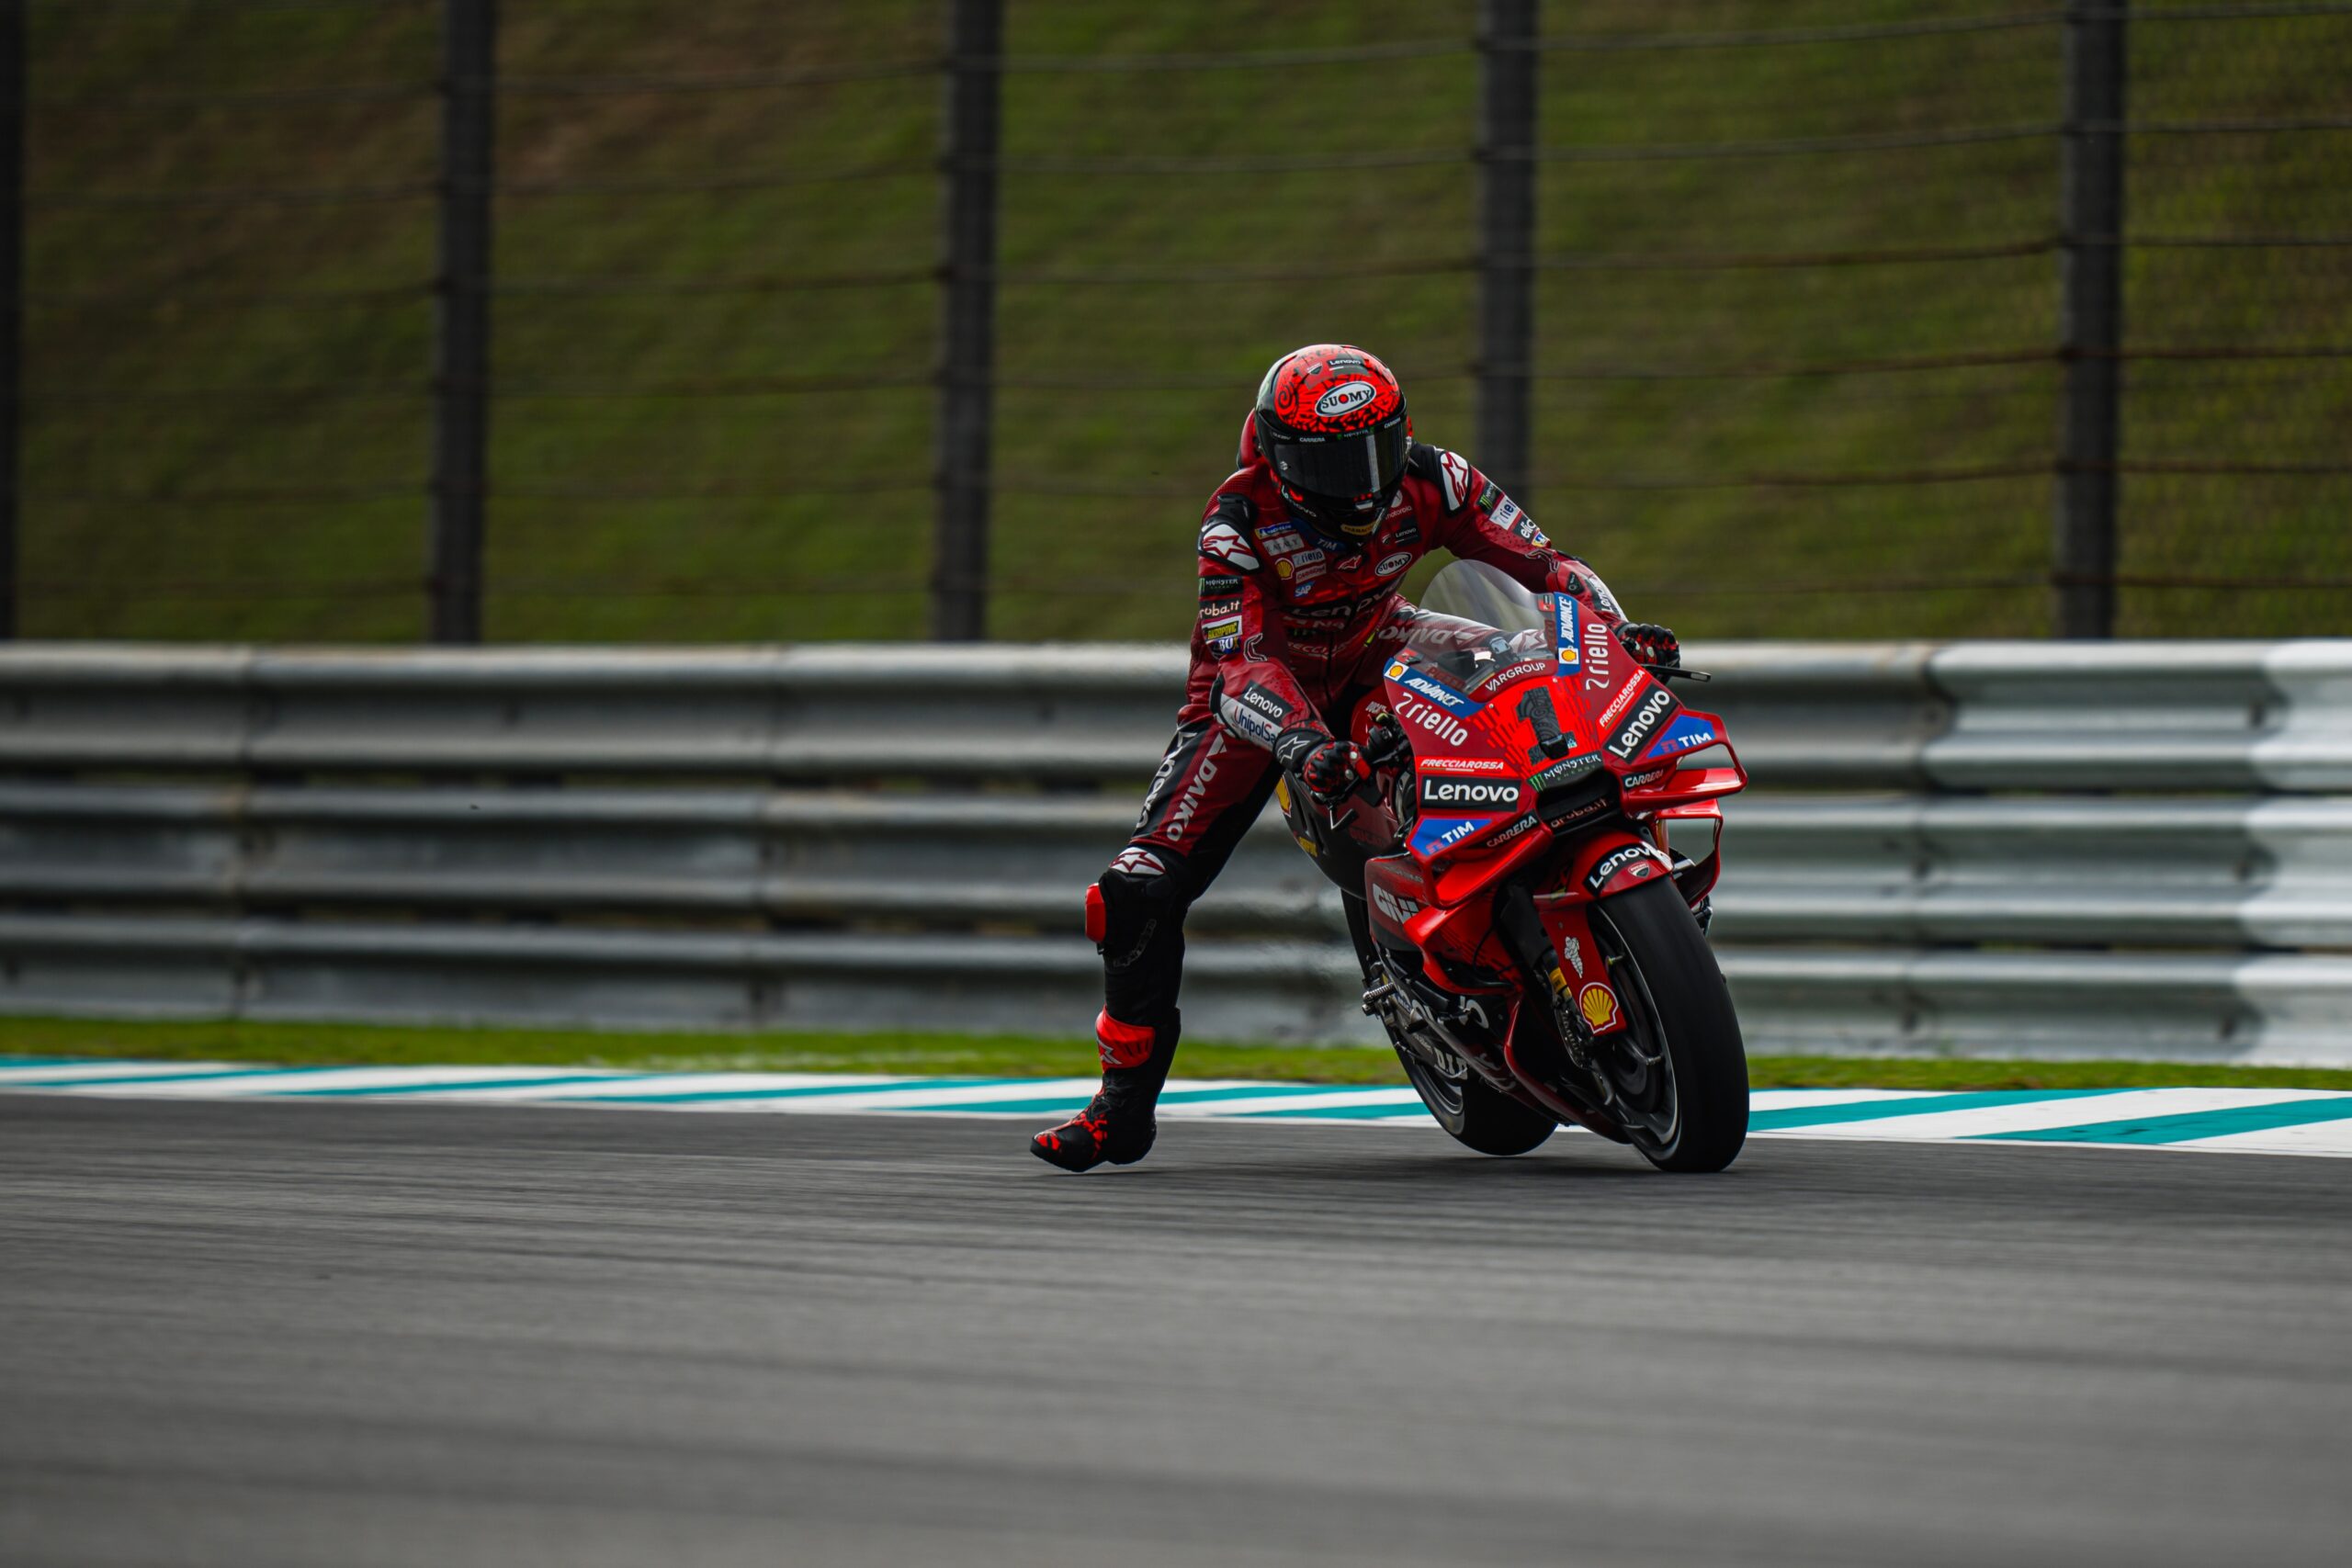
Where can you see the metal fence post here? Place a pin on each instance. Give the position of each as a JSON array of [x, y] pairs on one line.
[[2091, 331], [461, 352], [967, 322], [12, 297], [1506, 238]]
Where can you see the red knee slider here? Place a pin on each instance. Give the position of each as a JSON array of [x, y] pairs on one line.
[[1096, 921]]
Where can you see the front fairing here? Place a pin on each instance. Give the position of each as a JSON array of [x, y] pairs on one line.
[[1534, 734]]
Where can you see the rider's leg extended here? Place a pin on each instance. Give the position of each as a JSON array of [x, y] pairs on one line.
[[1205, 796]]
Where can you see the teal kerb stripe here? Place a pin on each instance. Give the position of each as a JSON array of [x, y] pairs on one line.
[[1379, 1112], [50, 1061], [214, 1076], [438, 1086], [1074, 1101], [2190, 1124], [654, 1096], [1269, 1092], [1908, 1105], [1174, 1096]]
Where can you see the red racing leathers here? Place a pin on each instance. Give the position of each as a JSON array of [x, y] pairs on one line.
[[1293, 629]]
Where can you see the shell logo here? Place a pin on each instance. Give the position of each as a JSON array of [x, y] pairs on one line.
[[1598, 1005], [1345, 399]]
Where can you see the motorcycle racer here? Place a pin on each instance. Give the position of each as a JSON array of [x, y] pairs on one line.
[[1301, 551]]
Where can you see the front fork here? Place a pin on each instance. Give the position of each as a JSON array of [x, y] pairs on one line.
[[1592, 1102], [1521, 928]]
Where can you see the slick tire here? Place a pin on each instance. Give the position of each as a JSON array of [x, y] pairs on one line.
[[1477, 1116], [1676, 996]]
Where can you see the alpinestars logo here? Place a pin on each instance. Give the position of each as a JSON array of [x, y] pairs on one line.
[[1223, 543], [1455, 471], [1136, 860], [1495, 795]]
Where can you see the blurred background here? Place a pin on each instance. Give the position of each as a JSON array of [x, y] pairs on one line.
[[1797, 365]]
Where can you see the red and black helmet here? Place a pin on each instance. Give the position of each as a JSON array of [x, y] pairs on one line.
[[1331, 421]]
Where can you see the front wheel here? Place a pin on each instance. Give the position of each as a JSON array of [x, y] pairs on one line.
[[1678, 1070], [1477, 1116]]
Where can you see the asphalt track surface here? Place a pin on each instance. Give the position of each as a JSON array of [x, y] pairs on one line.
[[258, 1335]]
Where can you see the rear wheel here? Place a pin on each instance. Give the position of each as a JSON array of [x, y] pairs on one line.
[[1678, 1069], [1483, 1117]]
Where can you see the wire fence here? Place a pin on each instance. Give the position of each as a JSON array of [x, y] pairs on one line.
[[1801, 274]]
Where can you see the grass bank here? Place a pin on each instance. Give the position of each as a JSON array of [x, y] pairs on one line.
[[308, 1045], [1797, 375]]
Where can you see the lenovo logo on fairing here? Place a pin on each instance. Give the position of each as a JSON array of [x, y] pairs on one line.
[[1468, 792]]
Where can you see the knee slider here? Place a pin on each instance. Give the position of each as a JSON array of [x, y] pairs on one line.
[[1138, 897]]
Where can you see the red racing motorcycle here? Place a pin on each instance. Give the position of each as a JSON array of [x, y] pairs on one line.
[[1527, 871]]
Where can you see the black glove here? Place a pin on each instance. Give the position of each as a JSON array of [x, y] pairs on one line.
[[1385, 744], [1328, 768], [1650, 644]]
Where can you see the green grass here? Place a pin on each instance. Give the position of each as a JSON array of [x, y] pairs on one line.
[[1640, 465], [993, 1057]]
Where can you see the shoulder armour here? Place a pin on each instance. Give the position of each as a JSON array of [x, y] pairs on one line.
[[1450, 471], [1224, 539]]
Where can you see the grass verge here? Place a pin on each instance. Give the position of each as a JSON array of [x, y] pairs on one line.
[[997, 1056]]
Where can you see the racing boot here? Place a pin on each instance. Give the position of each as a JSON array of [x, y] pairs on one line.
[[1117, 1124]]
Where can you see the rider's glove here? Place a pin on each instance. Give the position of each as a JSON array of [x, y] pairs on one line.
[[1650, 644], [1328, 768], [1386, 745]]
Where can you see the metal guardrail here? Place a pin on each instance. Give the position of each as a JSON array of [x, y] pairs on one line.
[[896, 837]]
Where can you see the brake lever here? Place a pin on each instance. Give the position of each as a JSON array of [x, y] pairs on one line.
[[1676, 672]]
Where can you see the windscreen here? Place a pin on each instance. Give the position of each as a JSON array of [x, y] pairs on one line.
[[1476, 591], [1466, 651]]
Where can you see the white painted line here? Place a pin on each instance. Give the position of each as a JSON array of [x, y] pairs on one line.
[[264, 1083], [1787, 1099], [1199, 1099], [2027, 1116], [627, 1084], [1269, 1103], [34, 1076], [687, 1091], [2311, 1138]]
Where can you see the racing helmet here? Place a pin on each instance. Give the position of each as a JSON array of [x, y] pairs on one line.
[[1330, 422]]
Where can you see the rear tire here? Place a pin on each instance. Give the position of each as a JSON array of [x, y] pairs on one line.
[[1478, 1116], [1675, 998]]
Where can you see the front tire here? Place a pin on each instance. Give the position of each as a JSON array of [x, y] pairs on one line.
[[1476, 1115], [1693, 1116]]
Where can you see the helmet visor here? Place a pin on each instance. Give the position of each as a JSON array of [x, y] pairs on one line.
[[1359, 463]]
